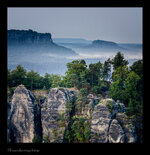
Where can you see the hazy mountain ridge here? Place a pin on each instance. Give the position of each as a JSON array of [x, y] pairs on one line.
[[32, 41], [104, 45], [96, 44], [38, 51]]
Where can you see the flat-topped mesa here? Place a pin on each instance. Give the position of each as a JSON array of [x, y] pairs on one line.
[[22, 116], [28, 41], [28, 37]]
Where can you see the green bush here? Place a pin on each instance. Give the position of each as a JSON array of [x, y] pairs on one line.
[[36, 139], [110, 106], [80, 131], [46, 139]]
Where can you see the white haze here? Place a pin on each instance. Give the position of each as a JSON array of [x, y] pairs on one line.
[[48, 62]]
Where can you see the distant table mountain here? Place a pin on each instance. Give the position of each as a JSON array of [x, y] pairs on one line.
[[97, 45], [102, 44], [32, 41]]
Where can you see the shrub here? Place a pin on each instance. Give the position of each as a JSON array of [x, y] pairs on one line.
[[80, 130], [46, 139], [36, 139]]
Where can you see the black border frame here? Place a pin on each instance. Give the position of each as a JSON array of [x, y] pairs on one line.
[[8, 147]]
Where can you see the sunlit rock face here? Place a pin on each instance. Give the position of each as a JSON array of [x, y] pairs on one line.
[[22, 116]]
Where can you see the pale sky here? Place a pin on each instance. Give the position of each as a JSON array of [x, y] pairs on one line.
[[121, 25]]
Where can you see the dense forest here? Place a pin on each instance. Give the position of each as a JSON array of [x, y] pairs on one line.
[[114, 76]]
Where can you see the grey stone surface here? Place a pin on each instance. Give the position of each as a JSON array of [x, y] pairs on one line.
[[22, 116], [54, 114]]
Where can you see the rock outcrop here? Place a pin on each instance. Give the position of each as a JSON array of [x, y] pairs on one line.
[[46, 117], [110, 125], [22, 116], [128, 127], [55, 114], [116, 133], [100, 122]]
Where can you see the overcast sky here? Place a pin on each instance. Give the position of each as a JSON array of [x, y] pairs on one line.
[[121, 25]]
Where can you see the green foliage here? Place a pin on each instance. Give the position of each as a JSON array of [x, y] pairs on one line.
[[33, 80], [68, 136], [47, 82], [81, 99], [62, 117], [110, 106], [117, 88], [107, 69], [87, 131], [119, 61], [16, 77], [125, 87], [134, 105], [137, 67], [56, 80], [91, 105], [80, 131], [69, 107], [95, 71], [46, 139], [76, 67], [36, 139], [54, 132]]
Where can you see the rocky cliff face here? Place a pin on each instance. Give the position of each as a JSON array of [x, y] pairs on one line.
[[20, 41], [28, 37], [110, 125], [22, 116], [55, 114], [48, 117]]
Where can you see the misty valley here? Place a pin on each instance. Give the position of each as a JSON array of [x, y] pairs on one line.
[[47, 55]]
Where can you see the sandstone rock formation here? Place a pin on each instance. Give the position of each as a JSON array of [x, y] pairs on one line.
[[47, 117], [110, 125], [128, 127], [116, 133], [55, 115], [22, 116], [101, 118]]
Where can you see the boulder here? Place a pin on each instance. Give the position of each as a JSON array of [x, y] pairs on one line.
[[22, 116]]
